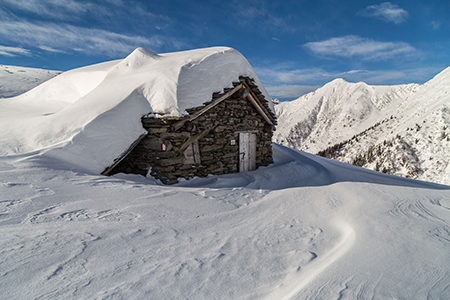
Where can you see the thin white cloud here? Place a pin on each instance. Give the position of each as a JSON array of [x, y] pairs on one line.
[[289, 90], [386, 11], [50, 27], [106, 11], [282, 82], [356, 47], [52, 8], [354, 71], [289, 76], [376, 77], [87, 40], [390, 77], [13, 51], [48, 49], [435, 25]]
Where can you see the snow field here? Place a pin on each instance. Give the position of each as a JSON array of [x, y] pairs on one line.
[[302, 228], [347, 232]]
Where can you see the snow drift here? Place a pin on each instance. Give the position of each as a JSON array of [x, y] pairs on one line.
[[89, 116]]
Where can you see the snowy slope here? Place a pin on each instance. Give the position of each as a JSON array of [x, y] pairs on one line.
[[303, 228], [18, 80], [407, 138], [66, 112], [335, 112]]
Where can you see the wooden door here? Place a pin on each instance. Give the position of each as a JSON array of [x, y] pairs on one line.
[[247, 151], [192, 154]]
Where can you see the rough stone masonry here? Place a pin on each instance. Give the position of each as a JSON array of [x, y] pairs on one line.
[[205, 145]]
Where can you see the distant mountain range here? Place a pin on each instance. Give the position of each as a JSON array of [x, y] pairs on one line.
[[401, 130]]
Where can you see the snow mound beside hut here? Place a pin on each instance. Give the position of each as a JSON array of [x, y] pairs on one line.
[[89, 116]]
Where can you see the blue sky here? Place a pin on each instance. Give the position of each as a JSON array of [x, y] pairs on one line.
[[294, 46]]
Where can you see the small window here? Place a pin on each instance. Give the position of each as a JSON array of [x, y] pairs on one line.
[[192, 154]]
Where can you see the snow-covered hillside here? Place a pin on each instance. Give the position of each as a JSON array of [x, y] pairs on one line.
[[335, 112], [18, 80], [303, 228], [406, 135]]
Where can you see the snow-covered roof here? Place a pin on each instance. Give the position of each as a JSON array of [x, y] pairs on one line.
[[93, 113]]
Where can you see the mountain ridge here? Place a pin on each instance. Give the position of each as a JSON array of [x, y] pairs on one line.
[[338, 104], [401, 129]]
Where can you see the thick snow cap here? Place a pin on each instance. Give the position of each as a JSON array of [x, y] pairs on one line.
[[89, 116], [173, 82]]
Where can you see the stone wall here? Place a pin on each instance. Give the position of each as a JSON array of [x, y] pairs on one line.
[[216, 132]]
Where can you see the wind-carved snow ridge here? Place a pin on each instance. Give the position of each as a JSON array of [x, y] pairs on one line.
[[400, 130], [294, 283]]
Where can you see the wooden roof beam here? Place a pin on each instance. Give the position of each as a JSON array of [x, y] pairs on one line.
[[262, 110], [257, 106]]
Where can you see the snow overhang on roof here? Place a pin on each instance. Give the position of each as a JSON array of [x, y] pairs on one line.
[[88, 116], [188, 79]]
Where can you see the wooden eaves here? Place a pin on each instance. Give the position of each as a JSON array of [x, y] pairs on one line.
[[258, 106]]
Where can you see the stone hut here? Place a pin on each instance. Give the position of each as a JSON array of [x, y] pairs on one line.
[[231, 133]]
